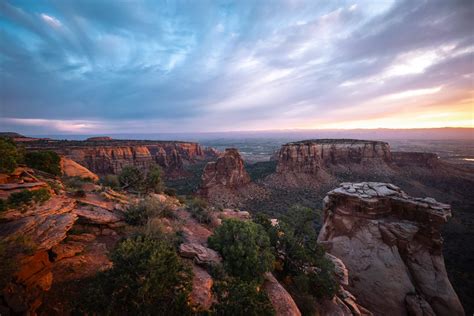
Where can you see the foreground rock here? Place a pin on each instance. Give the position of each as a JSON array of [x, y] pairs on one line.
[[392, 247], [71, 168], [282, 301]]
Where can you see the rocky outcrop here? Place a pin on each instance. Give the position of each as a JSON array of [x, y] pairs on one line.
[[228, 171], [313, 155], [225, 182], [201, 255], [26, 238], [70, 168], [392, 247]]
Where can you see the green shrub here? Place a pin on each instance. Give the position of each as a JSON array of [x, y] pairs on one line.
[[47, 161], [199, 210], [3, 205], [111, 181], [131, 178], [147, 278], [150, 207], [10, 155], [236, 297], [23, 197], [153, 180], [41, 195], [245, 248], [296, 238]]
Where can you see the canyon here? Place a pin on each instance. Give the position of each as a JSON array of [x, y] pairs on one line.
[[104, 155], [379, 238]]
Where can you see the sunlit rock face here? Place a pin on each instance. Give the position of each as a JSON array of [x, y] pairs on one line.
[[228, 171], [391, 244], [110, 159], [313, 155], [103, 155]]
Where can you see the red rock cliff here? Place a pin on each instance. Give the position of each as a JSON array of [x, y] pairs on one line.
[[312, 155], [391, 244], [110, 156], [110, 159], [228, 171]]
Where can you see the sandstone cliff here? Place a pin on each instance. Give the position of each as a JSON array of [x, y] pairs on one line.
[[103, 155], [391, 245], [313, 155]]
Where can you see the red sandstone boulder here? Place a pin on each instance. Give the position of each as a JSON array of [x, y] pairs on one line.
[[71, 168]]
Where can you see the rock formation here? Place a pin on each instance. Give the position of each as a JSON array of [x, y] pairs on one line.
[[110, 160], [36, 238], [225, 180], [103, 155], [313, 155], [392, 246], [228, 171], [71, 168]]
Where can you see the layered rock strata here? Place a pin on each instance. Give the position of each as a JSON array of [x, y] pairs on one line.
[[108, 156], [391, 244], [313, 155], [228, 171]]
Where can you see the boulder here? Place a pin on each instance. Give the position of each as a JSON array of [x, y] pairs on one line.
[[71, 168], [200, 254], [98, 216]]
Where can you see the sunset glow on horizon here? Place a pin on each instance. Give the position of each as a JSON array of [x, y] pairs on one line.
[[133, 67]]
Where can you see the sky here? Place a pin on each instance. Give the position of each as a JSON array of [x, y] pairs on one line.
[[96, 66]]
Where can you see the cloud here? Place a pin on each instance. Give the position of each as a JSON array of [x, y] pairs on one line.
[[212, 66], [51, 20]]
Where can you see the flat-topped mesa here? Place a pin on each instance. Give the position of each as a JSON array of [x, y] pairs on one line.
[[104, 156], [109, 159], [228, 171], [309, 156], [99, 139], [391, 243]]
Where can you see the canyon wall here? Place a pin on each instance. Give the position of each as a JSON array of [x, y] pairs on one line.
[[313, 155], [107, 156], [392, 246]]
